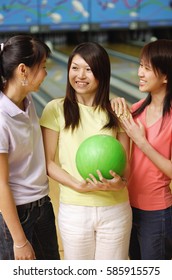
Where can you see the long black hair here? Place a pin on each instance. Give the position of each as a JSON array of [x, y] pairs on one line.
[[20, 49], [159, 55], [98, 60]]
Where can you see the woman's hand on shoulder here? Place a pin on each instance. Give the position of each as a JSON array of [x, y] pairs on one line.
[[120, 107]]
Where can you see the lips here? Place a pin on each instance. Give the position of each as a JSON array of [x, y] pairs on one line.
[[142, 82], [81, 84]]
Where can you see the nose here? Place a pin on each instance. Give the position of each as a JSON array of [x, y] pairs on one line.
[[140, 71], [81, 73]]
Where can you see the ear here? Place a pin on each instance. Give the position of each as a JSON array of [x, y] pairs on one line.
[[165, 80], [22, 69]]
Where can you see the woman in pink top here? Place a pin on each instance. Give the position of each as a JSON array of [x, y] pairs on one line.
[[150, 129]]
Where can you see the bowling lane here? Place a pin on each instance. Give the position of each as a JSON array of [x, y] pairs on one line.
[[55, 82], [125, 68], [124, 48], [54, 86], [124, 72], [124, 60]]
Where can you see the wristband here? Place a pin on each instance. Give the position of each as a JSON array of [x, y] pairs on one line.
[[21, 246]]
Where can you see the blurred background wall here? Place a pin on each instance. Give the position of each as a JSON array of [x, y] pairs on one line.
[[74, 21]]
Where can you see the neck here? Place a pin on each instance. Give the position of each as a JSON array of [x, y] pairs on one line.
[[157, 102]]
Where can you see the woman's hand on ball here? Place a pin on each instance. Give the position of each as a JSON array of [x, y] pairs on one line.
[[115, 184]]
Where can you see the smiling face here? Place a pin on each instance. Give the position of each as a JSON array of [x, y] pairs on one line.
[[36, 76], [82, 79], [149, 80]]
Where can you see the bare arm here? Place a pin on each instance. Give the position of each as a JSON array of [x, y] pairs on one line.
[[125, 141], [55, 171], [136, 132], [137, 135], [10, 215]]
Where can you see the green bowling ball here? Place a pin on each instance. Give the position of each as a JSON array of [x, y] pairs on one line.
[[101, 152]]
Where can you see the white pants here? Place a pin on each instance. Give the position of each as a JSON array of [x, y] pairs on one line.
[[95, 233]]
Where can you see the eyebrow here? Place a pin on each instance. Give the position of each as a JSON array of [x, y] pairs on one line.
[[147, 63], [74, 63]]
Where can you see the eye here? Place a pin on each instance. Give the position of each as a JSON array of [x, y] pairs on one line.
[[74, 68], [147, 67], [88, 69]]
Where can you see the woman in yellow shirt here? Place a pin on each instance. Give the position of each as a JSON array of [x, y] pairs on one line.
[[94, 215]]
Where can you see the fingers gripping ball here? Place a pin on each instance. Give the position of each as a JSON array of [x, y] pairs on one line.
[[101, 152]]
